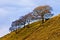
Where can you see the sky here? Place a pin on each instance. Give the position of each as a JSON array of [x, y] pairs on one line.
[[11, 10]]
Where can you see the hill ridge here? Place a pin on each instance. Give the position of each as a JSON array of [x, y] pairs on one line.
[[51, 27], [50, 30]]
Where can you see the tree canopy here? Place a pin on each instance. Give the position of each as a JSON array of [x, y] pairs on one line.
[[41, 11]]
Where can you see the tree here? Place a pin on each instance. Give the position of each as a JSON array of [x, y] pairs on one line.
[[23, 20], [11, 29], [48, 16], [15, 26], [29, 17], [41, 11]]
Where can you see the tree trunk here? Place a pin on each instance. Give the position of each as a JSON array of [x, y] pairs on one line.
[[28, 23], [46, 19], [42, 19], [24, 25]]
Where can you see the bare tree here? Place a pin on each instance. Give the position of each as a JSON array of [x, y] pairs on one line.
[[42, 10], [38, 12], [29, 17], [48, 16], [11, 29], [23, 20], [14, 26]]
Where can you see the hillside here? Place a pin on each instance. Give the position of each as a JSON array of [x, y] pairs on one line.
[[22, 33], [48, 31]]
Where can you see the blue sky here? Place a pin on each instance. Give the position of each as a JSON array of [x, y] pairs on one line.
[[11, 10]]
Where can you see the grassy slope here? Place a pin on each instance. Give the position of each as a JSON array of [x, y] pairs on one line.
[[48, 31], [23, 33]]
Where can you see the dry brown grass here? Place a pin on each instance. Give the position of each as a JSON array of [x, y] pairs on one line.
[[22, 33], [49, 31]]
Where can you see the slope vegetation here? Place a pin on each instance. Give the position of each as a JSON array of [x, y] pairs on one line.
[[22, 33], [50, 30]]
